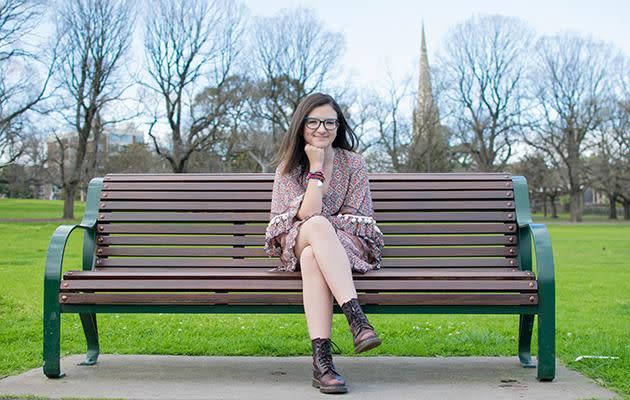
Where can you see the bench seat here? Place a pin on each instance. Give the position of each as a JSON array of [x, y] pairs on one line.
[[229, 286]]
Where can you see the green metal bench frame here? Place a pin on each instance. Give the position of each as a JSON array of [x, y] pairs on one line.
[[545, 309]]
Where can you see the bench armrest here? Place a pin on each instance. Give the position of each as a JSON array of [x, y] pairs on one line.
[[54, 258], [543, 252], [57, 245], [528, 229]]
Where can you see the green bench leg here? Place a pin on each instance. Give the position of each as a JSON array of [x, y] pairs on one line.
[[88, 320], [546, 346], [52, 342], [526, 325]]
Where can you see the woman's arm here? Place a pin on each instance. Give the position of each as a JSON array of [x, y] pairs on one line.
[[312, 203]]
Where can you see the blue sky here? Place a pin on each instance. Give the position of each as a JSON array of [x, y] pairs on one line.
[[386, 34]]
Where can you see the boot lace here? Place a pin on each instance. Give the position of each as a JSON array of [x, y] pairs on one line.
[[323, 356], [358, 320]]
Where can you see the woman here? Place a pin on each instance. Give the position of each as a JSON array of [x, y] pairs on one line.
[[321, 223]]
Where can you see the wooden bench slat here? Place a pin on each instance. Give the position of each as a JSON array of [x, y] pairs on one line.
[[214, 177], [395, 285], [259, 240], [180, 228], [265, 206], [265, 186], [382, 216], [259, 196], [232, 273], [230, 229], [259, 252], [272, 262], [296, 298]]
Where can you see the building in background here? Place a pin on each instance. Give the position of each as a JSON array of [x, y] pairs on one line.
[[112, 140]]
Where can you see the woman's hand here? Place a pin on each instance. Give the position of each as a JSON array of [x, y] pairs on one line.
[[315, 157]]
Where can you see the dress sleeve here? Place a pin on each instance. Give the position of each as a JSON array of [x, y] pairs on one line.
[[285, 202], [356, 215]]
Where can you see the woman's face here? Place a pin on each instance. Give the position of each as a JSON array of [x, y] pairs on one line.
[[324, 134]]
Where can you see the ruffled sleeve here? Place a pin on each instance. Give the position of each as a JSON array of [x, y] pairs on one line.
[[356, 216], [282, 229]]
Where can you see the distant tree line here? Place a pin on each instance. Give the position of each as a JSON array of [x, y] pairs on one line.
[[215, 88]]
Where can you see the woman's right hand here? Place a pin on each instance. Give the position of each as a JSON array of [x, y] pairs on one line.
[[315, 157]]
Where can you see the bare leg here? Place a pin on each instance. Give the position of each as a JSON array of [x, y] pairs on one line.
[[318, 301], [319, 234]]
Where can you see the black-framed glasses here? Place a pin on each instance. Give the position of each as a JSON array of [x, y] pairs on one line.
[[314, 123]]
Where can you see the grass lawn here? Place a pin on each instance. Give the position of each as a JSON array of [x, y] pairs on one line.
[[593, 311], [589, 218], [36, 209]]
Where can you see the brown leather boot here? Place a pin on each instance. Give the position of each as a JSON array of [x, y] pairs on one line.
[[325, 377], [362, 332]]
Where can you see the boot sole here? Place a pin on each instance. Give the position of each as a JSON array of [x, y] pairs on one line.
[[329, 389], [367, 344]]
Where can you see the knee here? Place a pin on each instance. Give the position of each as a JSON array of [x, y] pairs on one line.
[[317, 223], [308, 263]]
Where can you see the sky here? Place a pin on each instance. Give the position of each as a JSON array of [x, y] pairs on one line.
[[382, 35]]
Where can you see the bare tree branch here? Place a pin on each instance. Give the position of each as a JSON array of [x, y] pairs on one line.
[[484, 61], [571, 86], [19, 92], [93, 37], [295, 56], [190, 44]]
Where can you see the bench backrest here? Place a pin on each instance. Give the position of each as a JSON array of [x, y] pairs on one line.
[[219, 220]]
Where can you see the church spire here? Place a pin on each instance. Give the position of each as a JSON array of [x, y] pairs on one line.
[[429, 147], [425, 99]]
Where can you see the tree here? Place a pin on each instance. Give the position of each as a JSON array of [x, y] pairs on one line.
[[294, 56], [238, 125], [135, 158], [607, 171], [25, 177], [392, 126], [613, 166], [543, 180], [14, 182], [484, 64], [570, 86], [93, 36], [19, 92], [188, 45]]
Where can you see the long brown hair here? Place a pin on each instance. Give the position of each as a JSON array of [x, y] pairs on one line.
[[291, 150]]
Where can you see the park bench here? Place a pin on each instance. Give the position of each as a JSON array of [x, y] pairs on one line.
[[455, 243]]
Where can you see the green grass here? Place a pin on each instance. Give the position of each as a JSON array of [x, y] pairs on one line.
[[36, 209], [593, 313], [588, 218]]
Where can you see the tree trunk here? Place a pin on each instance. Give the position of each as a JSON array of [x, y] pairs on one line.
[[68, 201], [626, 209], [544, 201], [612, 201], [554, 209], [575, 205]]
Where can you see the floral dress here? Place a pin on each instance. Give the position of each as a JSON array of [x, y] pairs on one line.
[[347, 205]]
